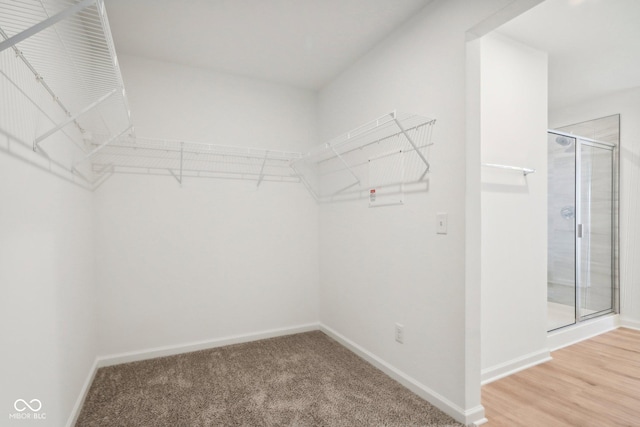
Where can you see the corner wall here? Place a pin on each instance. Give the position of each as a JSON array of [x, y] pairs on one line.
[[47, 322], [514, 213], [386, 265], [213, 258]]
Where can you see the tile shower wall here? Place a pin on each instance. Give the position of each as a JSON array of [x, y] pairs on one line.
[[561, 218]]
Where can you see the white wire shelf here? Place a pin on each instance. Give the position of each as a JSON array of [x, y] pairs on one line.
[[350, 163], [524, 171], [62, 96], [60, 80], [182, 159]]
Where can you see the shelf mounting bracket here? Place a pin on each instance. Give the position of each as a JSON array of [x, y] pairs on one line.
[[264, 162], [345, 188], [181, 160], [348, 167], [71, 119], [179, 177], [100, 147], [413, 144]]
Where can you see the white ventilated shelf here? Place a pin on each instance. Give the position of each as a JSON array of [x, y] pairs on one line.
[[182, 159], [59, 81], [385, 153], [64, 108]]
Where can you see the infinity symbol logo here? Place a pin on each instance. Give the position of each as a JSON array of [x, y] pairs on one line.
[[35, 408]]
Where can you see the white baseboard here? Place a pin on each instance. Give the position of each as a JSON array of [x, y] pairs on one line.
[[135, 356], [625, 322], [467, 417], [582, 331], [151, 353], [557, 340], [515, 365], [75, 412]]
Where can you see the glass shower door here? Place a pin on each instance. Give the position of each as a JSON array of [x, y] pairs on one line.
[[561, 226], [594, 232]]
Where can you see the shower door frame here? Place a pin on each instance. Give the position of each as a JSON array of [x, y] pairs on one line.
[[579, 142]]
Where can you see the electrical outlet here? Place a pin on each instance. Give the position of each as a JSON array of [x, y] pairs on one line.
[[400, 333]]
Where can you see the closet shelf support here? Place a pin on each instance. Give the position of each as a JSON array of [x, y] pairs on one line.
[[100, 147], [349, 168], [179, 177], [413, 144], [71, 119], [345, 188], [261, 174], [173, 174], [181, 160]]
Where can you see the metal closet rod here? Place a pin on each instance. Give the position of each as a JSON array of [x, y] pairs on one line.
[[525, 171], [144, 143], [193, 156]]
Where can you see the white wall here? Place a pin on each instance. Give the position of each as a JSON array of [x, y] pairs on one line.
[[215, 258], [47, 322], [627, 104], [386, 265], [514, 213], [178, 102]]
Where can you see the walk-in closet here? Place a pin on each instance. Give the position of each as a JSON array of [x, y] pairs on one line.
[[275, 212]]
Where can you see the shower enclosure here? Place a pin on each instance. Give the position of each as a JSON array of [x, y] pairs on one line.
[[580, 272]]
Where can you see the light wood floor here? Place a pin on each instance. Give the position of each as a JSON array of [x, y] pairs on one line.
[[592, 383]]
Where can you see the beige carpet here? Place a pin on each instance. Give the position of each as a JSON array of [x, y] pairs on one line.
[[298, 380]]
